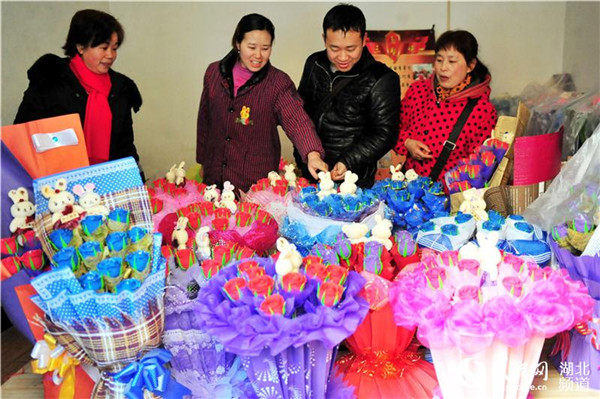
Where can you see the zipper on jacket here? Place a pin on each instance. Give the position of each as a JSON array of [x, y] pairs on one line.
[[319, 122]]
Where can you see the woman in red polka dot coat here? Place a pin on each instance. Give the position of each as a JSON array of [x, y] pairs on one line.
[[431, 107]]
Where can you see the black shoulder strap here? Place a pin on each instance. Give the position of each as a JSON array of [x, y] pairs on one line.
[[450, 144], [327, 99]]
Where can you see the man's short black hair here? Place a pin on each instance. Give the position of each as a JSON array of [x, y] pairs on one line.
[[345, 17]]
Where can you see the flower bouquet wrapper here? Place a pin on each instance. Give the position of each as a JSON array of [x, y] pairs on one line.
[[270, 201], [283, 355], [584, 352], [381, 364], [499, 371], [199, 360], [296, 372]]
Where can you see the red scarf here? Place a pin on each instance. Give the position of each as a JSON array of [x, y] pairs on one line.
[[98, 117]]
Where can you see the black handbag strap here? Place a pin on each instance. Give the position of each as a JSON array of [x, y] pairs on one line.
[[450, 143]]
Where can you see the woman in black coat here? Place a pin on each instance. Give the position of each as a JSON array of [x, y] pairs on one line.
[[84, 83]]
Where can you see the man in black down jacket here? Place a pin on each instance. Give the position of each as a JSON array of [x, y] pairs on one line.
[[353, 100]]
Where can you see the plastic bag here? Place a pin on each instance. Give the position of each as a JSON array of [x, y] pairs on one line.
[[580, 120], [566, 195]]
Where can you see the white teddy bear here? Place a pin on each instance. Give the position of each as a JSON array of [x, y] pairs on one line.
[[487, 254], [61, 202], [356, 232], [349, 184], [290, 175], [228, 198], [289, 260], [273, 177], [396, 172], [22, 210], [474, 204], [180, 236], [211, 194], [89, 200], [170, 175], [411, 175], [326, 185], [203, 243], [382, 231]]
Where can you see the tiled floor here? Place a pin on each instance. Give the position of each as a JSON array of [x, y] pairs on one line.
[[26, 385]]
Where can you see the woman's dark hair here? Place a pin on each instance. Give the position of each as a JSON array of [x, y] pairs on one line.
[[466, 44], [251, 22], [91, 28], [345, 17]]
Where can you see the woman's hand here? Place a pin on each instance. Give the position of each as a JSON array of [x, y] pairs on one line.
[[338, 172], [315, 164], [417, 149]]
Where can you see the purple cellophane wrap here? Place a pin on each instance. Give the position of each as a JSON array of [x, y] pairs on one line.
[[297, 372], [199, 360], [244, 331], [12, 305], [587, 270]]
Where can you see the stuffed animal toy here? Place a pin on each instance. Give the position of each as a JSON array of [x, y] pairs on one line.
[[61, 202], [211, 194], [180, 236], [290, 175], [89, 200], [228, 198], [348, 187], [22, 211], [474, 204], [289, 260], [487, 254], [396, 172], [273, 177], [382, 231], [326, 185], [170, 176], [411, 175], [203, 243], [356, 232], [180, 175]]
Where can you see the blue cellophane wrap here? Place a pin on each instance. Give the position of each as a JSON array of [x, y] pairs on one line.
[[243, 330], [305, 230], [414, 203], [348, 208], [436, 238], [62, 297]]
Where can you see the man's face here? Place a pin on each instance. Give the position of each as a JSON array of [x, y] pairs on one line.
[[343, 48]]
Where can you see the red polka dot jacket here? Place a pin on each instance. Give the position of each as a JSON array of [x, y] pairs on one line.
[[430, 121]]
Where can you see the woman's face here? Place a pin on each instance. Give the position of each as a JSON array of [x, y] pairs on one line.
[[451, 68], [255, 50], [99, 59]]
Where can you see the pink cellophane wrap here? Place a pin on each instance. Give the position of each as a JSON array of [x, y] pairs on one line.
[[497, 372], [383, 363], [480, 329]]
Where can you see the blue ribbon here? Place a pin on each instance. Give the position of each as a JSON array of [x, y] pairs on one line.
[[150, 373]]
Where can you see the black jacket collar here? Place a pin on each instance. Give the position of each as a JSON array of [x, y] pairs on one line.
[[366, 59]]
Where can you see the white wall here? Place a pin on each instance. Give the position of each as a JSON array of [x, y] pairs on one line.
[[169, 45], [582, 44]]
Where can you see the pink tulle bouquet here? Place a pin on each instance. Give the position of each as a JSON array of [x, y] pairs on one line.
[[486, 324]]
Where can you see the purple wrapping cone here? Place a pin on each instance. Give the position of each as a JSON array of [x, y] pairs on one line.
[[583, 358], [301, 372], [12, 306], [199, 360]]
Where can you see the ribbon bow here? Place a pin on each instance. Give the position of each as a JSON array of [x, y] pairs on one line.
[[50, 357], [150, 373]]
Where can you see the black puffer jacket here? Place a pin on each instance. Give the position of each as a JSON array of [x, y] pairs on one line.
[[54, 90], [360, 124]]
